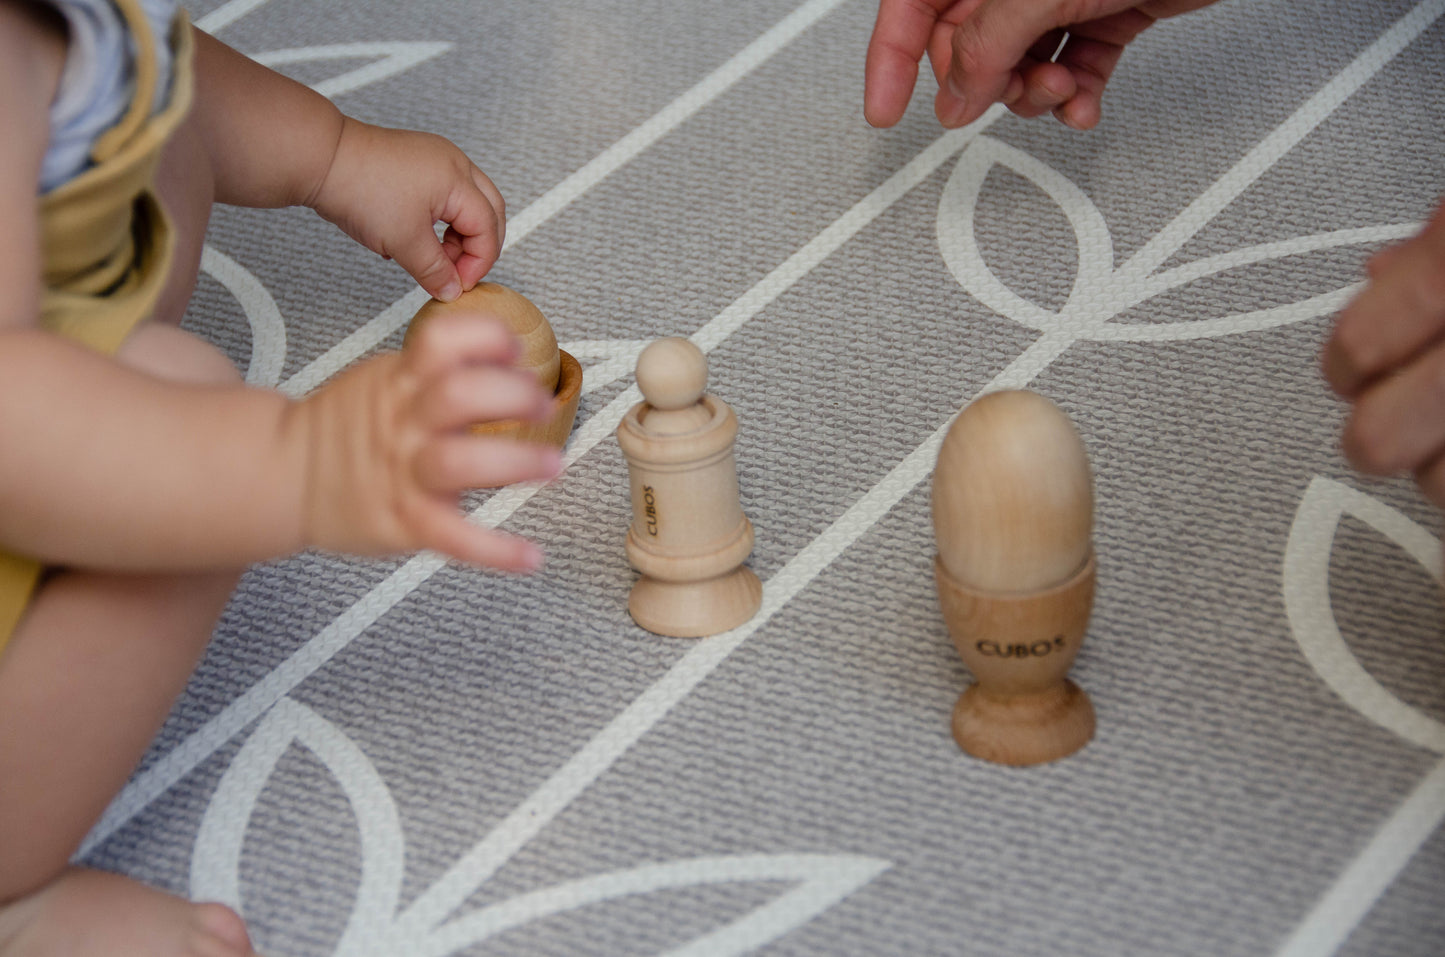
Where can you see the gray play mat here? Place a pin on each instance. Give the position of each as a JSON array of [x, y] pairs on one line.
[[413, 758]]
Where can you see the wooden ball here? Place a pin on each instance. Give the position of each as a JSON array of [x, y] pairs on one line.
[[539, 343], [672, 373], [1013, 501]]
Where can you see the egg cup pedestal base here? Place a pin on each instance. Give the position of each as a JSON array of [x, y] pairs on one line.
[[1024, 729], [1024, 709]]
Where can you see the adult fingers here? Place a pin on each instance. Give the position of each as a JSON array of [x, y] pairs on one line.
[[985, 49], [1400, 312], [988, 45], [1431, 479], [1043, 87], [1090, 62], [900, 37], [1398, 424]]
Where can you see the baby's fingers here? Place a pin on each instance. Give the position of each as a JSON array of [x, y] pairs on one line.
[[475, 394], [455, 463], [452, 340], [476, 219], [446, 531]]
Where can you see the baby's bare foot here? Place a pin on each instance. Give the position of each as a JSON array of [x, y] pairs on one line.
[[92, 912]]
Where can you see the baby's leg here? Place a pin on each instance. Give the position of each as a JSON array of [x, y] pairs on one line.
[[187, 190], [85, 682], [91, 673], [90, 912]]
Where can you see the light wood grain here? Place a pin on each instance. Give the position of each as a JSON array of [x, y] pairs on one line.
[[1015, 569], [688, 536]]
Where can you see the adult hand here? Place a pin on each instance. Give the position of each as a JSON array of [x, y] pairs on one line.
[[984, 51], [1387, 356]]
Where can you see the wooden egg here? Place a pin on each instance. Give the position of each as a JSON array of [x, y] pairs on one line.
[[559, 373], [539, 343], [1013, 498], [1013, 515]]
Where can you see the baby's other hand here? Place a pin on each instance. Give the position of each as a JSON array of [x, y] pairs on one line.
[[387, 189], [1387, 355], [390, 450]]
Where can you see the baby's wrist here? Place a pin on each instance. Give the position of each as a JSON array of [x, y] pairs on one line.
[[321, 190], [297, 467]]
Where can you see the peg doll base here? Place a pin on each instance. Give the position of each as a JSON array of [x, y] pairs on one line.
[[696, 609]]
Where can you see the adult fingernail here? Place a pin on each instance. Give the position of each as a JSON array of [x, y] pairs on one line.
[[954, 105], [953, 112], [450, 291]]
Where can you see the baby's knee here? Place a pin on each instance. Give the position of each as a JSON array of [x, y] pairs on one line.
[[175, 355]]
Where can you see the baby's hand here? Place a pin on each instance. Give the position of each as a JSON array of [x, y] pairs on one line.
[[390, 452], [387, 189], [1387, 355]]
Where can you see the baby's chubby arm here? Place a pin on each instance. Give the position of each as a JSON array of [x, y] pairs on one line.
[[107, 468], [104, 467], [275, 142]]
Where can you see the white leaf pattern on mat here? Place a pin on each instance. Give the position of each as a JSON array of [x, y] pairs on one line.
[[388, 59], [1311, 616], [822, 880], [216, 857], [376, 928], [268, 329], [1100, 292], [613, 359], [1353, 892]]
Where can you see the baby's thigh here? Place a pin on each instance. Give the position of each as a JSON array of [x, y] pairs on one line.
[[174, 354]]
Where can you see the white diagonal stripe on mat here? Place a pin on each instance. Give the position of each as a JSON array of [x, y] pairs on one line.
[[203, 742], [574, 186]]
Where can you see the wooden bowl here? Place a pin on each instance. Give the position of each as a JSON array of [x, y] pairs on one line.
[[558, 426]]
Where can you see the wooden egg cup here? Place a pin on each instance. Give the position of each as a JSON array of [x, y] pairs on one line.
[[1023, 709], [558, 424]]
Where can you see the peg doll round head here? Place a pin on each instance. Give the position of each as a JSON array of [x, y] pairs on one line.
[[672, 374]]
